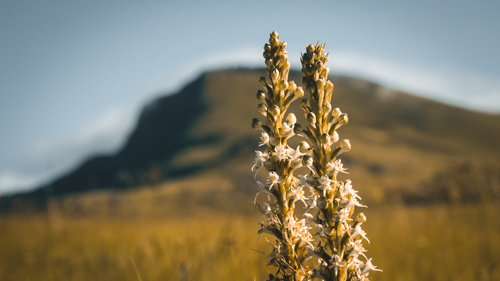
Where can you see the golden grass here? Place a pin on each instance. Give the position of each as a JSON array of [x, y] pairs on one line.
[[417, 243]]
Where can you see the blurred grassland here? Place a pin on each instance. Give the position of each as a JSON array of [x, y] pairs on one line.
[[440, 242]]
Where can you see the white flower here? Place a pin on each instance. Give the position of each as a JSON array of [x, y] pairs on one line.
[[357, 248], [347, 189], [264, 139], [336, 262], [360, 232], [368, 266], [344, 217], [352, 201], [339, 167], [281, 152], [325, 184], [272, 179], [297, 194], [259, 160]]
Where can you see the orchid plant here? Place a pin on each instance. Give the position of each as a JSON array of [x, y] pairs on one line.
[[326, 242]]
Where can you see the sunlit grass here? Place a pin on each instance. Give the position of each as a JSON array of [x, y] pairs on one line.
[[417, 243]]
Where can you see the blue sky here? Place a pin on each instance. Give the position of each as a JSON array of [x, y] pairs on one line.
[[74, 74]]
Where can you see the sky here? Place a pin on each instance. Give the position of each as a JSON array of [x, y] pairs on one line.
[[75, 74]]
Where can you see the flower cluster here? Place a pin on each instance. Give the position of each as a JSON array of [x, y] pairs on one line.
[[327, 242]]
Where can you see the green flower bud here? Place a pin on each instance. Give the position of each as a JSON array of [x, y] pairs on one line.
[[320, 83], [328, 87], [310, 48], [274, 35], [291, 119], [283, 85], [345, 146], [297, 129], [343, 119], [275, 111], [261, 95], [274, 75], [256, 124], [299, 92], [263, 81], [325, 139], [324, 72], [262, 109], [327, 107], [311, 118], [336, 112], [304, 147], [307, 160], [360, 218], [335, 137]]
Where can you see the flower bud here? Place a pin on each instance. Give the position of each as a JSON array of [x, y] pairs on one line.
[[336, 112], [310, 48], [297, 129], [291, 119], [324, 72], [285, 66], [327, 107], [307, 160], [316, 75], [335, 137], [274, 75], [304, 147], [275, 111], [261, 95], [304, 82], [345, 146], [320, 83], [267, 47], [328, 86], [304, 103], [266, 54], [262, 109], [274, 35], [311, 118], [360, 218], [319, 64], [256, 124], [299, 92], [269, 62], [325, 139], [292, 87], [343, 119], [283, 85], [263, 82], [311, 88]]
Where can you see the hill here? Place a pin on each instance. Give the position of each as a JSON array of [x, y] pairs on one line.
[[200, 138]]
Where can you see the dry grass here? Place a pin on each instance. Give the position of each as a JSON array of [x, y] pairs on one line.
[[418, 243]]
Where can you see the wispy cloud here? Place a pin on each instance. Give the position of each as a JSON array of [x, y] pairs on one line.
[[453, 86]]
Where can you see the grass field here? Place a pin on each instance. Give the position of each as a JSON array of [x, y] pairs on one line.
[[408, 243]]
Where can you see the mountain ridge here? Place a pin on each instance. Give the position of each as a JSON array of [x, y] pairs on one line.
[[205, 127]]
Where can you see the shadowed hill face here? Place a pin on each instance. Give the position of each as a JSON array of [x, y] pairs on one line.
[[159, 134], [205, 129]]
